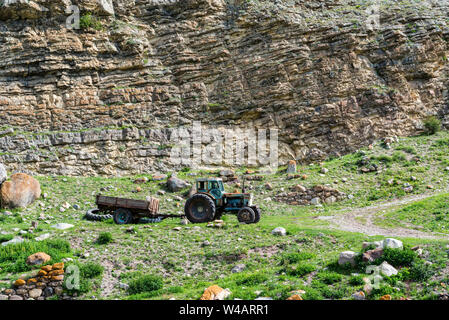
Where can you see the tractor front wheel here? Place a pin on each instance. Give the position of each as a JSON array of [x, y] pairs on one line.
[[200, 208], [246, 215]]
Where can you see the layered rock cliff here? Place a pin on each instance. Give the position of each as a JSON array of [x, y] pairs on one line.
[[89, 101]]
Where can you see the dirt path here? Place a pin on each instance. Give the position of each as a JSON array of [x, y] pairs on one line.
[[360, 220]]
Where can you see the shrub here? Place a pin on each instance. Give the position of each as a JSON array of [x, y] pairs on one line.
[[88, 272], [89, 21], [419, 271], [6, 237], [329, 277], [300, 270], [251, 279], [146, 283], [356, 280], [399, 257], [104, 238], [294, 257], [432, 125]]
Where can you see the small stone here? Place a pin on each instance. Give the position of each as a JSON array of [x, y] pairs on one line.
[[295, 297], [62, 226], [3, 297], [279, 231], [177, 229], [347, 257], [19, 282], [35, 293], [315, 201], [206, 243], [238, 268], [291, 168], [324, 170], [359, 295], [385, 297], [15, 297], [123, 286]]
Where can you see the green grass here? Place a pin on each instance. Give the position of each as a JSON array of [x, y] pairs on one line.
[[431, 214], [304, 259], [13, 257]]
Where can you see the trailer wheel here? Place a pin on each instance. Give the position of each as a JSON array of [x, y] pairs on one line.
[[257, 213], [95, 215], [199, 208], [123, 216], [246, 215]]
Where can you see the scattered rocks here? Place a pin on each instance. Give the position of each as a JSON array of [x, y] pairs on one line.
[[20, 191], [314, 196], [216, 224], [47, 282], [347, 257], [279, 231], [38, 258]]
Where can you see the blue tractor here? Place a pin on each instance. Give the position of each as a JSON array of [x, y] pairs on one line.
[[211, 201]]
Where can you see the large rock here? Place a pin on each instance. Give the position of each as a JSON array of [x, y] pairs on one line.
[[347, 257], [174, 184], [38, 258], [387, 269], [20, 191], [392, 243], [3, 174]]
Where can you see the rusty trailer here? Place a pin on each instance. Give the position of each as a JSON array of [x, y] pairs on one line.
[[126, 211]]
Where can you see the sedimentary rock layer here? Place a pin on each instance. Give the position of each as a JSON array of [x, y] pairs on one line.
[[312, 69]]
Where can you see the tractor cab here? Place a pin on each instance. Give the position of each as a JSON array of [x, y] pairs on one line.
[[213, 186]]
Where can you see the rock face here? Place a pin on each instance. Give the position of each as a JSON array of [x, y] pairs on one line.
[[313, 69], [20, 191]]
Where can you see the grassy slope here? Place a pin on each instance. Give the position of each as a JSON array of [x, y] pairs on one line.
[[187, 266]]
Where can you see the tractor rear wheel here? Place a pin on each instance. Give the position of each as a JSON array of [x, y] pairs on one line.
[[123, 216], [257, 214], [246, 215], [200, 208]]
